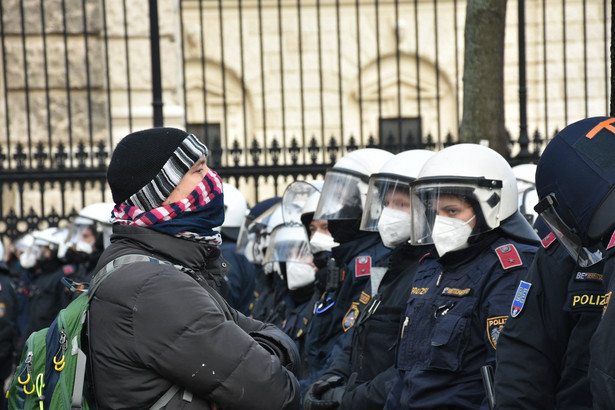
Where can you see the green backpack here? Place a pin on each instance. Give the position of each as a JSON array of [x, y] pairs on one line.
[[51, 372]]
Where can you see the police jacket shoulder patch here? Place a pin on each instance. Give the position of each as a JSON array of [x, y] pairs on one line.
[[520, 297], [362, 266], [611, 242], [494, 328], [548, 240], [427, 255], [68, 269], [509, 256]]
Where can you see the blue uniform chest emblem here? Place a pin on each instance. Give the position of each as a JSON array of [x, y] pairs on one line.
[[520, 297]]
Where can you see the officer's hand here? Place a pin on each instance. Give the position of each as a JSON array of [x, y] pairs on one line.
[[324, 394]]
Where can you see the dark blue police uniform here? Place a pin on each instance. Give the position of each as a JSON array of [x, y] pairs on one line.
[[457, 308], [543, 352], [328, 330], [367, 362]]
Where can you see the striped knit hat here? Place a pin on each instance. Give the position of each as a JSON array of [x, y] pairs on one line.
[[147, 165]]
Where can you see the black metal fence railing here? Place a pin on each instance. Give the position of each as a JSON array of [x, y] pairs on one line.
[[278, 90]]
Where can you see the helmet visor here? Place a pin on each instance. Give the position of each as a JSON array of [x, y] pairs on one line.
[[342, 196], [384, 192], [244, 235], [471, 200], [251, 228], [288, 243], [568, 237], [294, 199]]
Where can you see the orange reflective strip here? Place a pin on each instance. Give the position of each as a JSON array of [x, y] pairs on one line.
[[604, 124]]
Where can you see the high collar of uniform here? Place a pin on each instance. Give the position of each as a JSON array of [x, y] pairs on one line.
[[344, 252]]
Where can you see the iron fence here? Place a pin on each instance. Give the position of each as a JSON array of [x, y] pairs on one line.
[[279, 90]]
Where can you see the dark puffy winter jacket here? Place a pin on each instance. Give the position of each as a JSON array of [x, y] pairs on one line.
[[154, 326]]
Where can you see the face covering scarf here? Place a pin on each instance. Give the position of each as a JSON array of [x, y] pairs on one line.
[[450, 234], [194, 217]]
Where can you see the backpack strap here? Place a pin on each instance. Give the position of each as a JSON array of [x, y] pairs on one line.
[[165, 398], [77, 398], [110, 267]]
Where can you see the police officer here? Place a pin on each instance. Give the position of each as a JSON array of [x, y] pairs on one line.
[[289, 256], [362, 374], [293, 260], [602, 363], [42, 283], [252, 243], [465, 203], [237, 288], [86, 239], [358, 255], [543, 356]]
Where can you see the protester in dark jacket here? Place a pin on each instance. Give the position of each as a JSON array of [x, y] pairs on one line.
[[154, 325]]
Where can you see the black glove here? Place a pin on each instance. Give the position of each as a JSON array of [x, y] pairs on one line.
[[325, 394], [280, 344]]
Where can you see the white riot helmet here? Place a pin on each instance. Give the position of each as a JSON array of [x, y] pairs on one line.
[[387, 208], [345, 189], [95, 217], [50, 238], [254, 236], [289, 254], [24, 247], [296, 196], [235, 211], [526, 185], [481, 178]]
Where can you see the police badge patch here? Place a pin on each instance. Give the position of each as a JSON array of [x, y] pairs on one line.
[[494, 328], [351, 316], [520, 297]]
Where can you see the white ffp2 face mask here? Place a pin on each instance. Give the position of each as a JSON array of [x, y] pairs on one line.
[[83, 246], [450, 234], [28, 259], [321, 242], [394, 227], [299, 274]]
